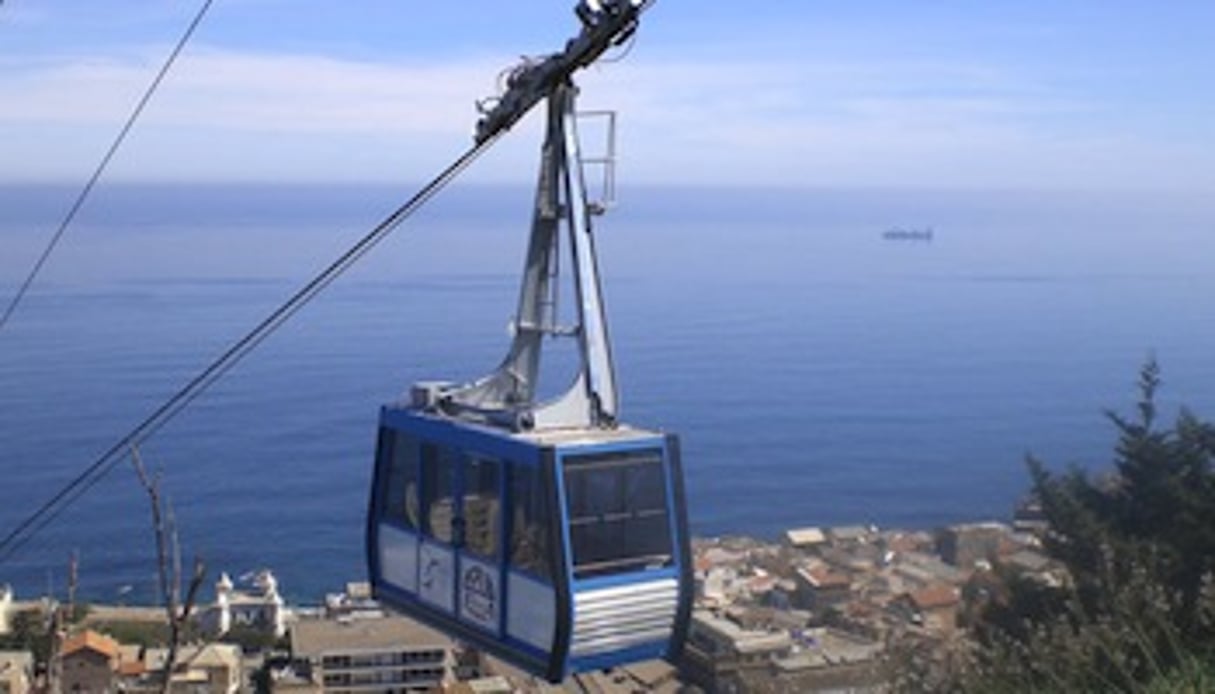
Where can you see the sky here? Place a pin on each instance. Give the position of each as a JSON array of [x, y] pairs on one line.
[[1034, 94]]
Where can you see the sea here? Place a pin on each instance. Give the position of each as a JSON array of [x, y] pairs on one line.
[[817, 373]]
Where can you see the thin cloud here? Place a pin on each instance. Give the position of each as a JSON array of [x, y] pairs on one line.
[[231, 91], [749, 121]]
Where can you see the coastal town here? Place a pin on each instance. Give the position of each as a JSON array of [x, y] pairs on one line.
[[819, 609]]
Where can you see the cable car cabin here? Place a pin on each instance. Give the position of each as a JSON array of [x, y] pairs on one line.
[[541, 532], [559, 551]]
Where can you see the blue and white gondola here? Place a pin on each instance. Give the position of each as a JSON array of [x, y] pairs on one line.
[[547, 534], [558, 551]]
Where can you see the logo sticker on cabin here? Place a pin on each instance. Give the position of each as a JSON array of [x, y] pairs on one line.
[[435, 586], [479, 595]]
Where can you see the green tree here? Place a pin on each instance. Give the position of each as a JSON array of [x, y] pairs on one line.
[[1152, 519], [1139, 546], [28, 632]]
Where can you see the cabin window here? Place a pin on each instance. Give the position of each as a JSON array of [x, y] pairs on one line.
[[481, 507], [438, 496], [401, 492], [531, 523], [618, 515]]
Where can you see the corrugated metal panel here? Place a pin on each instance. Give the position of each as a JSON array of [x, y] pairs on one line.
[[613, 618]]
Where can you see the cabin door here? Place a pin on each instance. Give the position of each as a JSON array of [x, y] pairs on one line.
[[460, 556], [479, 543]]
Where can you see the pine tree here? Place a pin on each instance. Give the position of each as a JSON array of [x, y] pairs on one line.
[[1139, 546], [1153, 518]]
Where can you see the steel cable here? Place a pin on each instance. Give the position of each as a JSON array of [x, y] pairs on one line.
[[101, 167], [96, 471]]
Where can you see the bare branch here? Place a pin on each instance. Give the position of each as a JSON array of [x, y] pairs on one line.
[[152, 487], [168, 564], [196, 581], [174, 552]]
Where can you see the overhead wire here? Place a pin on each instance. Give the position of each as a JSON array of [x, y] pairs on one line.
[[97, 470], [489, 129], [105, 162]]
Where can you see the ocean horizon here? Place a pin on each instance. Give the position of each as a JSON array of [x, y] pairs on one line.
[[817, 373]]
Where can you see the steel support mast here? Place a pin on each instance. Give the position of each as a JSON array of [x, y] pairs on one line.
[[507, 396]]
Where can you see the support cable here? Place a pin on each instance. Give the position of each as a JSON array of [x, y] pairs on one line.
[[609, 24], [105, 162], [91, 475]]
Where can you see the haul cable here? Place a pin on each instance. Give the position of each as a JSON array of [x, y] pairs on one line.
[[94, 473], [105, 162], [526, 87]]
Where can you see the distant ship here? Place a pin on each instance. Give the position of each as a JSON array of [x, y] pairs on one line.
[[909, 234]]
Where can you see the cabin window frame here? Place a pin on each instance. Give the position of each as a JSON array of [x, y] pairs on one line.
[[467, 461], [527, 491], [437, 479], [400, 494], [618, 507]]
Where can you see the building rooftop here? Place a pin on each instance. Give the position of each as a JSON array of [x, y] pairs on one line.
[[847, 533], [312, 638], [651, 672], [805, 537], [496, 684], [920, 565], [740, 639], [646, 676], [92, 641], [358, 590], [16, 667], [15, 658], [718, 556], [213, 655], [908, 541], [762, 584], [1028, 560], [823, 577], [987, 525], [825, 647], [935, 596]]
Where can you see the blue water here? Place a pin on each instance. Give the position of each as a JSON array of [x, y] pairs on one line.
[[817, 374]]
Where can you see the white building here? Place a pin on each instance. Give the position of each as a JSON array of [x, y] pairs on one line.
[[16, 671], [720, 650], [213, 668], [6, 609], [365, 655], [263, 609], [805, 538]]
